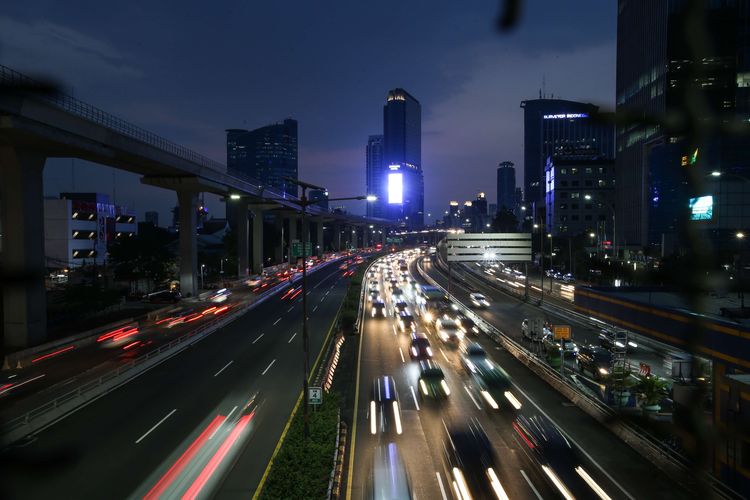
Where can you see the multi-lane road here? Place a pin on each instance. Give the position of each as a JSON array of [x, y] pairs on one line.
[[204, 421], [384, 350]]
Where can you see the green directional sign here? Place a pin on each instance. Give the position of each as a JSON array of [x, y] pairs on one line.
[[394, 240], [315, 395], [297, 248]]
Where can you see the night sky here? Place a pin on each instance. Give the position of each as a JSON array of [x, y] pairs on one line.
[[188, 70]]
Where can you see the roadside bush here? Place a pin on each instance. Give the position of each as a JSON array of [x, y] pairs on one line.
[[302, 467]]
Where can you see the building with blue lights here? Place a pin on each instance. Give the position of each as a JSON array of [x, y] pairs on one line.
[[375, 175]]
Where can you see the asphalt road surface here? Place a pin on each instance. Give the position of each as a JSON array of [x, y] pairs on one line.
[[206, 421]]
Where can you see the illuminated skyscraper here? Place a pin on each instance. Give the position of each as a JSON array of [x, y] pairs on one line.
[[375, 175]]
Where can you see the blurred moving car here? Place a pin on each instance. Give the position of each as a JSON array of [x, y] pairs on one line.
[[557, 457], [471, 355], [406, 322], [219, 296], [495, 386], [594, 359], [385, 411], [467, 323], [479, 300], [608, 340], [378, 309], [472, 462], [449, 330], [432, 382], [388, 478], [163, 297], [254, 280], [420, 347]]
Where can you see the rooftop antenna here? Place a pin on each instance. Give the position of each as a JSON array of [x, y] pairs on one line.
[[544, 87]]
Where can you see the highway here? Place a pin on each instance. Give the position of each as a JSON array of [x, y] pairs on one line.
[[205, 421], [384, 350], [59, 369], [511, 313]]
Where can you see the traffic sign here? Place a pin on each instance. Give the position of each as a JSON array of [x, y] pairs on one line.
[[314, 395], [297, 248], [561, 332]]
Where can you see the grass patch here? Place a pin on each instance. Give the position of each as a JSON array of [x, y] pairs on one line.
[[350, 306], [302, 467]]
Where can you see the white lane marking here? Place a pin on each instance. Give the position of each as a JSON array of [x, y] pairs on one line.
[[268, 367], [567, 436], [259, 336], [533, 488], [413, 395], [291, 338], [224, 368], [442, 488], [276, 322], [319, 283], [290, 309], [155, 426], [315, 308], [222, 423], [394, 330], [321, 300], [326, 294], [401, 352], [472, 397], [22, 383], [444, 356]]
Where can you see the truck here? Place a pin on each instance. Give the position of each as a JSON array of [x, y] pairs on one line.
[[534, 329]]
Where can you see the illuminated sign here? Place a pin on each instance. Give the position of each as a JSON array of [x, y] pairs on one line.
[[689, 160], [702, 208], [566, 115], [395, 188]]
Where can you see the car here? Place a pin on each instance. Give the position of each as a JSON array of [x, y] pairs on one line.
[[254, 280], [388, 478], [385, 411], [397, 292], [608, 339], [432, 382], [449, 330], [471, 355], [568, 278], [472, 462], [374, 295], [569, 347], [163, 297], [478, 300], [374, 283], [467, 323], [399, 306], [594, 359], [378, 309], [557, 457], [406, 322], [393, 283], [219, 296], [495, 386], [420, 347]]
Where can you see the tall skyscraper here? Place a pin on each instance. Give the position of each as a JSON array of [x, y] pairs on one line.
[[267, 154], [556, 126], [402, 159], [658, 73], [374, 175], [506, 185]]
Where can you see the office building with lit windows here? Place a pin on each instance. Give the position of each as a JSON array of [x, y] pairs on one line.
[[267, 154], [375, 175], [656, 71], [558, 127]]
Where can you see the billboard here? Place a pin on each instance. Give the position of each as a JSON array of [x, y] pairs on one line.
[[702, 208], [476, 247], [395, 187]]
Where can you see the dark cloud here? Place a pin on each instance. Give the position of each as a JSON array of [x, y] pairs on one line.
[[187, 70]]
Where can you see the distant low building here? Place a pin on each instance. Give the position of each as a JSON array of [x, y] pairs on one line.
[[80, 227]]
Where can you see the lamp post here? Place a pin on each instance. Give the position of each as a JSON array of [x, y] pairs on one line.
[[303, 204], [740, 236], [540, 226], [203, 267]]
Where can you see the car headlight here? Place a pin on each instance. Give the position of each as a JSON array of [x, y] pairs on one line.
[[414, 351], [445, 388], [603, 371], [429, 351], [423, 386]]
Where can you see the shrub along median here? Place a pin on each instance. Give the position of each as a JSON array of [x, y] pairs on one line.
[[302, 468]]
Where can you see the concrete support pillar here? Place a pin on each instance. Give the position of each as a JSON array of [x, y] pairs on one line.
[[24, 266], [292, 237], [366, 236], [243, 243], [188, 203], [278, 249], [337, 237], [257, 240], [320, 245]]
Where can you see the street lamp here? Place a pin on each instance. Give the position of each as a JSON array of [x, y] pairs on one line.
[[303, 203], [740, 236], [203, 266]]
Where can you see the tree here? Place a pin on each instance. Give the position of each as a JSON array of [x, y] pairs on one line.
[[505, 221], [143, 256]]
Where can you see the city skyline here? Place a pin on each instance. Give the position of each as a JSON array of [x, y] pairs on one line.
[[450, 86]]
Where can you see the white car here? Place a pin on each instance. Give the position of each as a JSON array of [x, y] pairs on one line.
[[449, 330], [479, 300]]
